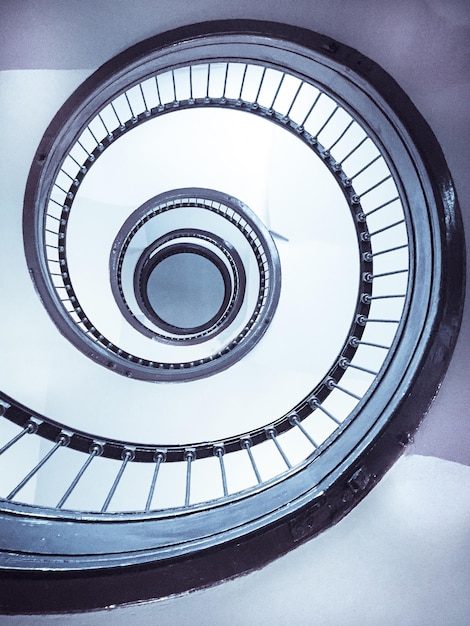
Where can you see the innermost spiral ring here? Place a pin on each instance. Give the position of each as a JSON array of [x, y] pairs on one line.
[[186, 288]]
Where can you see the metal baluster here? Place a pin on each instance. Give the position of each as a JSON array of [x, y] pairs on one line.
[[208, 79], [189, 456], [277, 90], [315, 403], [62, 440], [246, 444], [80, 165], [382, 230], [354, 150], [327, 121], [294, 419], [115, 113], [341, 136], [394, 249], [219, 452], [159, 458], [98, 143], [29, 429], [175, 99], [59, 187], [243, 82], [95, 450], [260, 84], [332, 384], [363, 169], [55, 202], [158, 91], [375, 186], [127, 455], [381, 206], [143, 98], [225, 80], [354, 341], [347, 363], [191, 82], [271, 434], [363, 320], [368, 298], [319, 94], [69, 176], [129, 105], [104, 125], [370, 277], [295, 98], [90, 156], [363, 369]]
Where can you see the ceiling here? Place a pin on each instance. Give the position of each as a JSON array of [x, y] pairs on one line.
[[409, 538]]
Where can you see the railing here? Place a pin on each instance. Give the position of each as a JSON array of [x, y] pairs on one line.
[[199, 472], [299, 106], [67, 468]]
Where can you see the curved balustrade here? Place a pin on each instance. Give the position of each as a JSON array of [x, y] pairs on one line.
[[351, 155], [299, 106], [221, 469]]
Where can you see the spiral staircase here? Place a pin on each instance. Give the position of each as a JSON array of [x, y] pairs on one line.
[[249, 262]]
